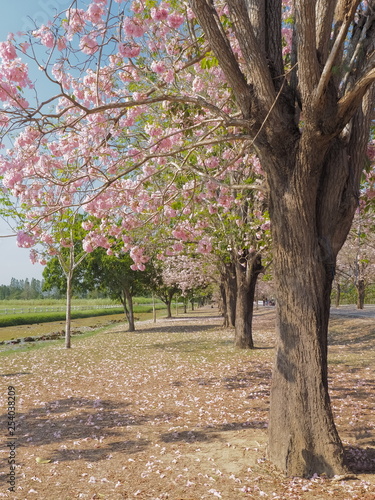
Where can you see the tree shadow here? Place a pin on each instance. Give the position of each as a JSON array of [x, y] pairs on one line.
[[128, 447], [241, 380], [173, 328], [211, 433], [351, 338], [360, 460], [246, 379], [364, 392], [75, 426]]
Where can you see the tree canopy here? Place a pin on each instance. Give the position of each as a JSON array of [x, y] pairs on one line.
[[156, 109]]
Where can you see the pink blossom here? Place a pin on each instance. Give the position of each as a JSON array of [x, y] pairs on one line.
[[87, 246], [204, 245], [7, 51], [129, 50], [88, 44], [46, 36], [158, 67], [178, 247], [87, 225], [180, 234], [75, 23], [198, 84], [132, 27], [159, 14], [175, 20], [212, 162], [61, 43], [94, 13], [169, 76], [24, 46], [137, 7], [25, 240], [65, 243]]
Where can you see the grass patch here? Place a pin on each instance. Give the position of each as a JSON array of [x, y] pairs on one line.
[[31, 318], [47, 317]]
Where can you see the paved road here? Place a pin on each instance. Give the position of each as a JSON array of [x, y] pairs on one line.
[[352, 311]]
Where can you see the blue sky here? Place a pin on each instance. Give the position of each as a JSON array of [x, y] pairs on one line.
[[18, 15]]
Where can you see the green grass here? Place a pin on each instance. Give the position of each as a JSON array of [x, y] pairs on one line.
[[46, 317], [31, 318]]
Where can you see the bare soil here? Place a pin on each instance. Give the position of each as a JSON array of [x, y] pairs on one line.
[[174, 411]]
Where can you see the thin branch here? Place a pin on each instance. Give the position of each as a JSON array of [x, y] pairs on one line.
[[327, 70], [347, 104]]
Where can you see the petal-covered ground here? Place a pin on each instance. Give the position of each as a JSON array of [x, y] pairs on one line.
[[174, 411]]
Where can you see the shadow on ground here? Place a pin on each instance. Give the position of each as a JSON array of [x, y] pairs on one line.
[[75, 426]]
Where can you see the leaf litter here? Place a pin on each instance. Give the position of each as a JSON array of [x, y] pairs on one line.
[[174, 411]]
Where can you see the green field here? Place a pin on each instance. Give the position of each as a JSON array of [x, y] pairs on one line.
[[14, 313]]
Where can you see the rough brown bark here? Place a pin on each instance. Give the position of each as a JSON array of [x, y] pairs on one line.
[[302, 436], [168, 303], [313, 172], [247, 272], [361, 290]]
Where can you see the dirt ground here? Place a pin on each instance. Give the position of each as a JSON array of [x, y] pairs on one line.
[[174, 411]]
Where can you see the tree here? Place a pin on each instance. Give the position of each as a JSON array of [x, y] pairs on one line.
[[356, 260], [114, 275], [164, 290], [160, 86], [62, 242], [188, 273]]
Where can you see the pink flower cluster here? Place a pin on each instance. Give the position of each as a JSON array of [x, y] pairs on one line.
[[137, 254]]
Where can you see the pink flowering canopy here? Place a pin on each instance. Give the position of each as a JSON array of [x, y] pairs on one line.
[[133, 126], [135, 123]]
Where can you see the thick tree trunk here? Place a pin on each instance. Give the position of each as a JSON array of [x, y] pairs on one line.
[[303, 439], [361, 290], [302, 436], [313, 168], [247, 273]]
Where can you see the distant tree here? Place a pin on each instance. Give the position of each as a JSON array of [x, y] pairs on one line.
[[356, 260], [162, 289], [64, 241], [115, 274]]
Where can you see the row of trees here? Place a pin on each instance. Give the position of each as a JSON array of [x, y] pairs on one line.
[[22, 289], [202, 125]]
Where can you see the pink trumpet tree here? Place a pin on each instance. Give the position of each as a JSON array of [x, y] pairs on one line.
[[148, 91]]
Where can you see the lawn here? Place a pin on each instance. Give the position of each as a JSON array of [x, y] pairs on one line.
[[174, 411]]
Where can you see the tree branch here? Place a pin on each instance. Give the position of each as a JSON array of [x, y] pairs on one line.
[[208, 19], [337, 46], [348, 104], [308, 66], [254, 55], [325, 11]]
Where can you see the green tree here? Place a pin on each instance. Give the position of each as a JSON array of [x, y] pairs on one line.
[[114, 275]]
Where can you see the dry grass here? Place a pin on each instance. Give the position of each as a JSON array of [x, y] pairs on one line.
[[174, 411]]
